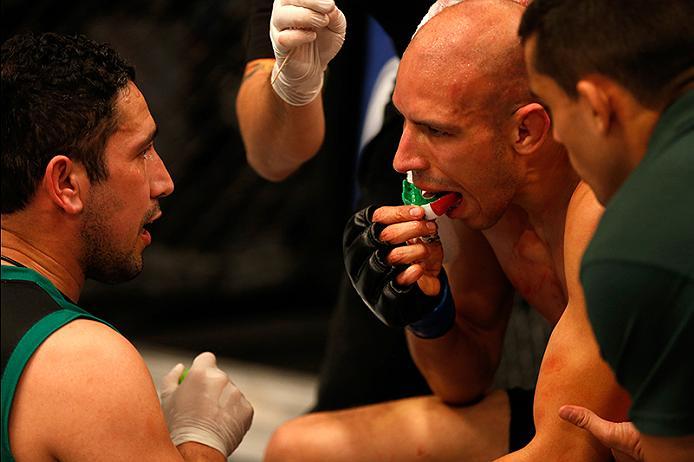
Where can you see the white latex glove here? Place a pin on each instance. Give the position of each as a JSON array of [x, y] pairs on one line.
[[206, 407], [313, 32]]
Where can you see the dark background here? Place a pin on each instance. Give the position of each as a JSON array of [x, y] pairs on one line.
[[240, 266]]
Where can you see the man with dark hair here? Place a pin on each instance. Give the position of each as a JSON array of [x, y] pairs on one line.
[[81, 183], [618, 77]]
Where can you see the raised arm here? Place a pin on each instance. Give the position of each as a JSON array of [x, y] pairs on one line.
[[572, 370], [456, 345], [279, 106], [87, 395]]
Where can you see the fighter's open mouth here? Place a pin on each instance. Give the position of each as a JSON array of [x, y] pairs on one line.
[[444, 202]]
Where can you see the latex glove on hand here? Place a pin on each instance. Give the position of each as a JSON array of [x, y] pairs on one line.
[[313, 31], [403, 285], [206, 407]]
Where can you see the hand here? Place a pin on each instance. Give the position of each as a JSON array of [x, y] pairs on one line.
[[313, 32], [622, 438], [206, 407], [401, 284]]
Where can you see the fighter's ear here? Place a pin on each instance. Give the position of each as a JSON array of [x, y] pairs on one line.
[[63, 181], [530, 128], [594, 97]]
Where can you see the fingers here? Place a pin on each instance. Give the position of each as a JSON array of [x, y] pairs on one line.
[[618, 436], [294, 17], [411, 274], [337, 22], [294, 38], [170, 380], [586, 419], [321, 6], [397, 214], [405, 223], [429, 285], [407, 254], [204, 360]]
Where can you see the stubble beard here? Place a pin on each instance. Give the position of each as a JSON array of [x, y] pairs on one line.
[[102, 260]]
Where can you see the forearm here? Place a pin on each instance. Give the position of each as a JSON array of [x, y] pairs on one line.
[[278, 137], [459, 367], [197, 452]]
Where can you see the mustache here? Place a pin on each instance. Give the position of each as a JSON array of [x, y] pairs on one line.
[[419, 177], [154, 211]]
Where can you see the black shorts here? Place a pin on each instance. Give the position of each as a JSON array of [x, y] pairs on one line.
[[522, 426]]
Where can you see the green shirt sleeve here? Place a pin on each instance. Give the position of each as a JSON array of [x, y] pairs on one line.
[[642, 318]]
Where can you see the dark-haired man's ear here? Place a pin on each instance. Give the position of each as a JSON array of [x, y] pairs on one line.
[[62, 182], [531, 126], [597, 103]]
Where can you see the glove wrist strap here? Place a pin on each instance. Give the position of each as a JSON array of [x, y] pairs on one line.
[[441, 319]]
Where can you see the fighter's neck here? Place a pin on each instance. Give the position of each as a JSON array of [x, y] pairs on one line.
[[546, 196], [64, 273]]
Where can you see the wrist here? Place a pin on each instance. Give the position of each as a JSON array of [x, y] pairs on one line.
[[441, 319], [186, 435], [192, 451], [296, 91]]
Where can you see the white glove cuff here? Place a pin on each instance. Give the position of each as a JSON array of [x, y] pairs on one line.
[[184, 435], [296, 93]]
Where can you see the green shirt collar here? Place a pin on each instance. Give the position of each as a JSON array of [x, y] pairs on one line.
[[676, 120], [16, 273]]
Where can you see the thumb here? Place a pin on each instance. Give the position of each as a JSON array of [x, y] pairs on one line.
[[204, 360], [337, 21], [622, 437], [170, 381]]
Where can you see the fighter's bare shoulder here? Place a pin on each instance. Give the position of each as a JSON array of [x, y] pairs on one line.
[[85, 390], [583, 213]]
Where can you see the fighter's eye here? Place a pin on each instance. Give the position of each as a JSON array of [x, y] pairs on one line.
[[435, 132], [147, 152]]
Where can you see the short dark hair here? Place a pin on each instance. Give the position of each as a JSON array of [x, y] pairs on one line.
[[645, 46], [58, 97]]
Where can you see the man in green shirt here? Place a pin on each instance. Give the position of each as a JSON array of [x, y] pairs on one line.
[[81, 183], [619, 80]]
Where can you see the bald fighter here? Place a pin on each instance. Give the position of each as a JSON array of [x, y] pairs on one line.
[[523, 220]]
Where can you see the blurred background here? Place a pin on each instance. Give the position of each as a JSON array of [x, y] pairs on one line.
[[239, 266]]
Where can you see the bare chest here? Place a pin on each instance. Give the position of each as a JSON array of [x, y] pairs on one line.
[[533, 266]]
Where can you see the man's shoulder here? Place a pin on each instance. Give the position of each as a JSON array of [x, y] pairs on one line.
[[649, 220], [83, 351], [86, 377]]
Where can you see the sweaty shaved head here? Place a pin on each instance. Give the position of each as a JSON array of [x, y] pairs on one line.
[[474, 43]]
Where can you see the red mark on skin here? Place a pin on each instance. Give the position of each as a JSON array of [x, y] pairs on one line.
[[553, 363]]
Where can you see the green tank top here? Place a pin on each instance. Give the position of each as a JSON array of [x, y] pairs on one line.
[[32, 309]]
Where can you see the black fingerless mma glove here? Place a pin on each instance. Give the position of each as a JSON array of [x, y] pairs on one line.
[[374, 280]]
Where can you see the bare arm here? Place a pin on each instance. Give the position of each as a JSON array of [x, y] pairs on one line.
[[460, 365], [278, 137], [86, 395], [572, 370]]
